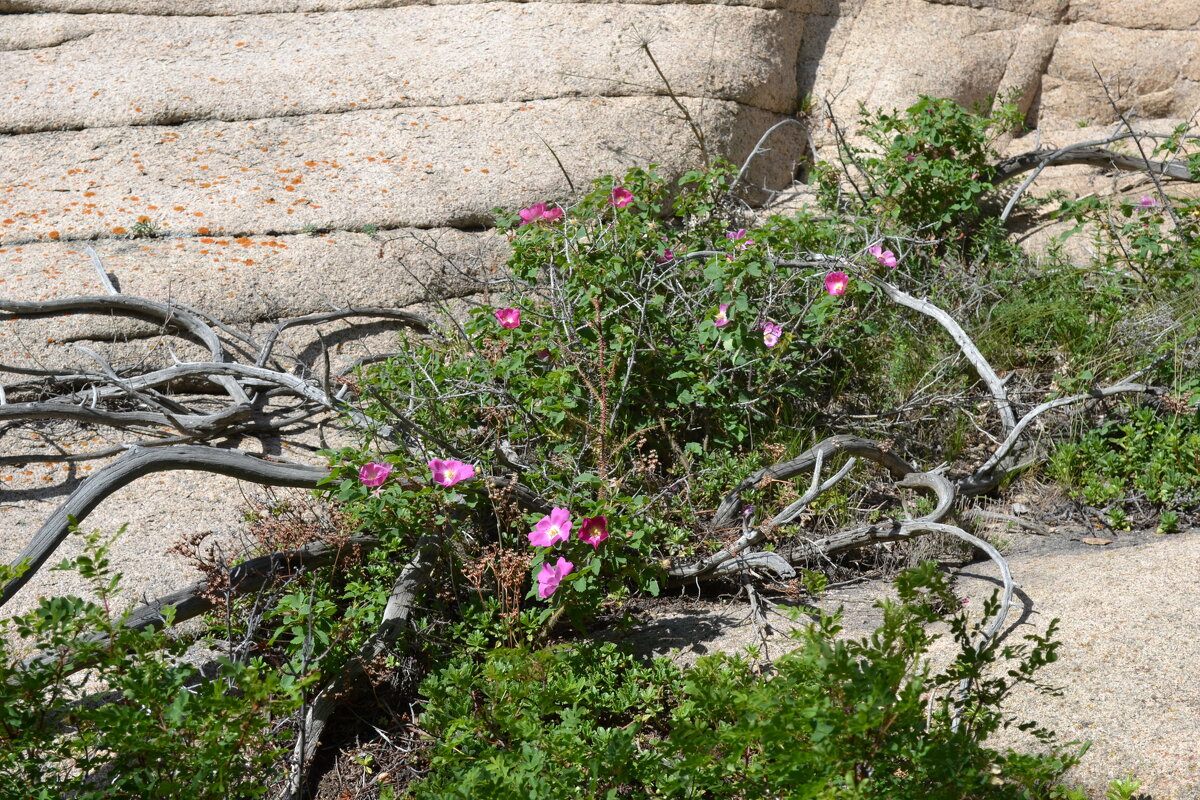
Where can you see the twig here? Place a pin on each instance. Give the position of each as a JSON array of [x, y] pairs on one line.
[[1166, 201], [687, 115], [105, 281], [758, 149]]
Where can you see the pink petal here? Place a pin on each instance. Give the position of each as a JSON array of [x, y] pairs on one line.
[[374, 474]]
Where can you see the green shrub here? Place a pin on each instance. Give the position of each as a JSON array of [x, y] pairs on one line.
[[1149, 457], [120, 715], [837, 719]]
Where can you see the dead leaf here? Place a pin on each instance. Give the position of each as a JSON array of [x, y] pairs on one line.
[[1094, 541]]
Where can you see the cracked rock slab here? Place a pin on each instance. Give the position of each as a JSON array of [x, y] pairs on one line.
[[71, 72], [401, 168]]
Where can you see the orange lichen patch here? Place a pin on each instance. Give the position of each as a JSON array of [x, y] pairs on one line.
[[54, 234], [222, 241], [203, 231], [310, 163], [89, 194], [118, 230], [143, 218], [206, 241]]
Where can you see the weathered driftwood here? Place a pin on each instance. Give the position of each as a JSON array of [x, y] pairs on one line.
[[144, 461]]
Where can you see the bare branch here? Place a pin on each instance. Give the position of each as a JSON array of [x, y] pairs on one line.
[[986, 477], [395, 619], [135, 464], [986, 374]]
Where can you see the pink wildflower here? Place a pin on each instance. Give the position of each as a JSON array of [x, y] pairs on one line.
[[539, 211], [552, 528], [771, 333], [1146, 203], [509, 317], [447, 473], [885, 257], [550, 577], [620, 197], [836, 283], [666, 255], [739, 236], [722, 317], [374, 474], [594, 530]]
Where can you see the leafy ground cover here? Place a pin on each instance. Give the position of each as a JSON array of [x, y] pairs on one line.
[[641, 400]]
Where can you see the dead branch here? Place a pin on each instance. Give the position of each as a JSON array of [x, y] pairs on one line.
[[730, 507], [982, 368], [396, 614], [245, 578], [988, 475], [168, 316], [135, 464], [415, 321]]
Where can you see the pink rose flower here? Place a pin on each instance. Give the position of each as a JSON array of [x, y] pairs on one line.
[[549, 577], [447, 473], [836, 283], [553, 528], [771, 333], [739, 236], [539, 211], [594, 530], [620, 197], [722, 317], [1146, 203], [885, 257], [509, 317], [374, 474]]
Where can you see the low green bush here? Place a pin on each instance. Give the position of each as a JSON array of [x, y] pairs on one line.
[[837, 718], [108, 712]]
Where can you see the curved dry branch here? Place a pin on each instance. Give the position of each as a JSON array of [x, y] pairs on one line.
[[415, 321], [1086, 153], [759, 150], [1083, 153], [122, 419], [135, 464], [169, 316], [734, 558], [727, 512], [982, 368], [988, 475]]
